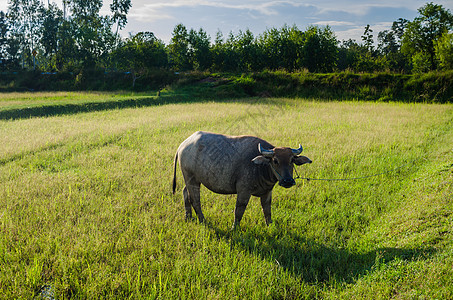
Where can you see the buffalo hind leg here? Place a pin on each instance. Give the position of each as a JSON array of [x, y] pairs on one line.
[[187, 204], [266, 205], [194, 198], [241, 205]]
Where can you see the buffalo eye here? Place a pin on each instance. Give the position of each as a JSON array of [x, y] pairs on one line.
[[275, 161]]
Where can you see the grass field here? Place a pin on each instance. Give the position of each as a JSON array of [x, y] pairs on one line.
[[86, 209], [10, 101]]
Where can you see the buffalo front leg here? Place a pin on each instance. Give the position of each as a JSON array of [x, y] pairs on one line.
[[266, 205], [241, 204]]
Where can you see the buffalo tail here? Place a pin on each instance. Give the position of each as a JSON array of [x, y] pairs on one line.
[[174, 172]]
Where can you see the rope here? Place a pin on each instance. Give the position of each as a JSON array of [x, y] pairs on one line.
[[353, 178], [270, 163]]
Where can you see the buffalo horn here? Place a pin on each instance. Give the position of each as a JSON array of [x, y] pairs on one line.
[[265, 152], [298, 151]]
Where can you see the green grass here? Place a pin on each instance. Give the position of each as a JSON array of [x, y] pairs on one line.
[[20, 100], [86, 208]]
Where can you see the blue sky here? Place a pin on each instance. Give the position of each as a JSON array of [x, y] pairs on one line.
[[346, 17]]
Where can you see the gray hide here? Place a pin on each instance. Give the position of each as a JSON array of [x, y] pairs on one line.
[[242, 165]]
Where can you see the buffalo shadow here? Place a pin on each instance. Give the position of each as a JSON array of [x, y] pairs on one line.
[[313, 261]]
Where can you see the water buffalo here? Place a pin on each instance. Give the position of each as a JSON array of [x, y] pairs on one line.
[[242, 165]]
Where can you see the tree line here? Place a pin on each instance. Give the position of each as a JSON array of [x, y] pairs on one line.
[[74, 35]]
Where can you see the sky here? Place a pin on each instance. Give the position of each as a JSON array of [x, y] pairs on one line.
[[347, 18]]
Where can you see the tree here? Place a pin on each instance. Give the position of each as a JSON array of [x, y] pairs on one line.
[[348, 54], [246, 49], [320, 49], [65, 5], [178, 49], [25, 16], [120, 8], [67, 53], [272, 48], [218, 53], [387, 43], [389, 49], [424, 31], [367, 38], [4, 28], [232, 56], [293, 41], [444, 51], [281, 48], [199, 49], [93, 34], [85, 10], [366, 57], [398, 28], [52, 22], [139, 54]]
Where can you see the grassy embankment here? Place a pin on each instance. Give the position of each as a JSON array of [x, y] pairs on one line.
[[433, 87], [86, 208], [199, 86]]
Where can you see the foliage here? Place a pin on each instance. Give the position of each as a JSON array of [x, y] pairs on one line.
[[367, 38], [139, 54], [199, 50], [49, 39], [178, 48], [66, 58], [53, 18], [25, 18], [93, 36], [421, 62], [46, 38], [424, 31], [389, 46], [444, 51], [282, 48], [319, 49], [245, 50], [120, 8], [4, 45]]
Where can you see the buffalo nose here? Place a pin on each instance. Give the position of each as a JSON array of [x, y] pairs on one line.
[[287, 182]]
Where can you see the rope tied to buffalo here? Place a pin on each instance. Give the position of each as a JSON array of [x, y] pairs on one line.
[[353, 178]]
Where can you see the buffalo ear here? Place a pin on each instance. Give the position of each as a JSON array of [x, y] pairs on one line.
[[300, 160], [261, 160]]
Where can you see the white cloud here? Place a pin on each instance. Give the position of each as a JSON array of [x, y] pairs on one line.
[[145, 11], [363, 7], [3, 6], [355, 32], [148, 13], [334, 23]]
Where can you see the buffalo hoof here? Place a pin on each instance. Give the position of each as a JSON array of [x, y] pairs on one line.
[[236, 227]]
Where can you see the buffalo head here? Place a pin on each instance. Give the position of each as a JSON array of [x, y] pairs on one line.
[[281, 160]]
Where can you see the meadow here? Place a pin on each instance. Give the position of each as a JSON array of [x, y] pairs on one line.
[[87, 211]]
